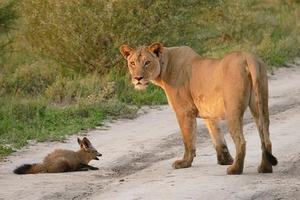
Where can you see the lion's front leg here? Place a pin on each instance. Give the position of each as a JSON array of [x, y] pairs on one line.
[[187, 123]]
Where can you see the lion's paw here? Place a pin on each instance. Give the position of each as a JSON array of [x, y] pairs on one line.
[[178, 164], [234, 170], [225, 159], [265, 168]]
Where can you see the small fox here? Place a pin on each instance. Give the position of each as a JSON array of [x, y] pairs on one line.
[[62, 160]]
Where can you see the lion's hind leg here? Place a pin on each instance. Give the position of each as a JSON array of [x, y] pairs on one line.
[[223, 155], [236, 131], [259, 108], [263, 129], [236, 93]]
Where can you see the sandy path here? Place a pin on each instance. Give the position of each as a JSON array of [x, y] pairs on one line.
[[137, 158]]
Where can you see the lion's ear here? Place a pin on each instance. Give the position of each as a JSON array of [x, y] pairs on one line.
[[156, 48], [125, 50]]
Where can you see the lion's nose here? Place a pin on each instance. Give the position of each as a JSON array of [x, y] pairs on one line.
[[138, 78]]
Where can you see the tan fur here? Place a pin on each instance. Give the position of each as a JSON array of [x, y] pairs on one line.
[[213, 89], [62, 160]]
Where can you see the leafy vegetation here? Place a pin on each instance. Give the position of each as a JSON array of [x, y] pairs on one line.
[[22, 120], [61, 71], [7, 19]]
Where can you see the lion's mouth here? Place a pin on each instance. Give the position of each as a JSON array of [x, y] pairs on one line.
[[141, 86], [139, 83]]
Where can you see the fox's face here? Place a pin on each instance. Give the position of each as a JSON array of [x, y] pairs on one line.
[[87, 147]]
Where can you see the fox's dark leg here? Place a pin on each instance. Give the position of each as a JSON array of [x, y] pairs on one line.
[[91, 167], [85, 167], [82, 169]]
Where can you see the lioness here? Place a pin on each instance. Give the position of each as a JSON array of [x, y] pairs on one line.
[[213, 89]]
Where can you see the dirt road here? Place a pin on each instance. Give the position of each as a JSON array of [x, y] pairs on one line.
[[137, 158]]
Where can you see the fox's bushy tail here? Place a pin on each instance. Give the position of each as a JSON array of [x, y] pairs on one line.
[[29, 169]]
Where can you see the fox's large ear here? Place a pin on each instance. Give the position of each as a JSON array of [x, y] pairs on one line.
[[126, 50], [86, 142], [79, 141], [156, 48]]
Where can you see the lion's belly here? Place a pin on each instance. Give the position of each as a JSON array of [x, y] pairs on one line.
[[210, 108]]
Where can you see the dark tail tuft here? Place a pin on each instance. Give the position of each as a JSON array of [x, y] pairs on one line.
[[23, 169], [271, 158]]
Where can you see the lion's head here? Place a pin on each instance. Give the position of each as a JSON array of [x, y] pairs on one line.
[[143, 63]]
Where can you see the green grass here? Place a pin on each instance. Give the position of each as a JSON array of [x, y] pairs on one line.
[[126, 93], [22, 120]]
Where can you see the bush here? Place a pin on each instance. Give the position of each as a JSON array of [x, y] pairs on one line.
[[126, 93], [33, 119], [85, 90], [7, 18], [262, 27], [27, 110], [85, 35], [28, 79]]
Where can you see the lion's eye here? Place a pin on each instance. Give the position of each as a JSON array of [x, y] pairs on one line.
[[147, 63], [132, 63]]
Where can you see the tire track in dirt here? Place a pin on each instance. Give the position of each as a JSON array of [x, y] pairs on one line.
[[281, 184], [130, 164], [169, 147]]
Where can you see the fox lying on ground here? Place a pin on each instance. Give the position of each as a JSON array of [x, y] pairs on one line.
[[62, 160]]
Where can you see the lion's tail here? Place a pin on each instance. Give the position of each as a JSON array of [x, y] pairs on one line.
[[260, 95]]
